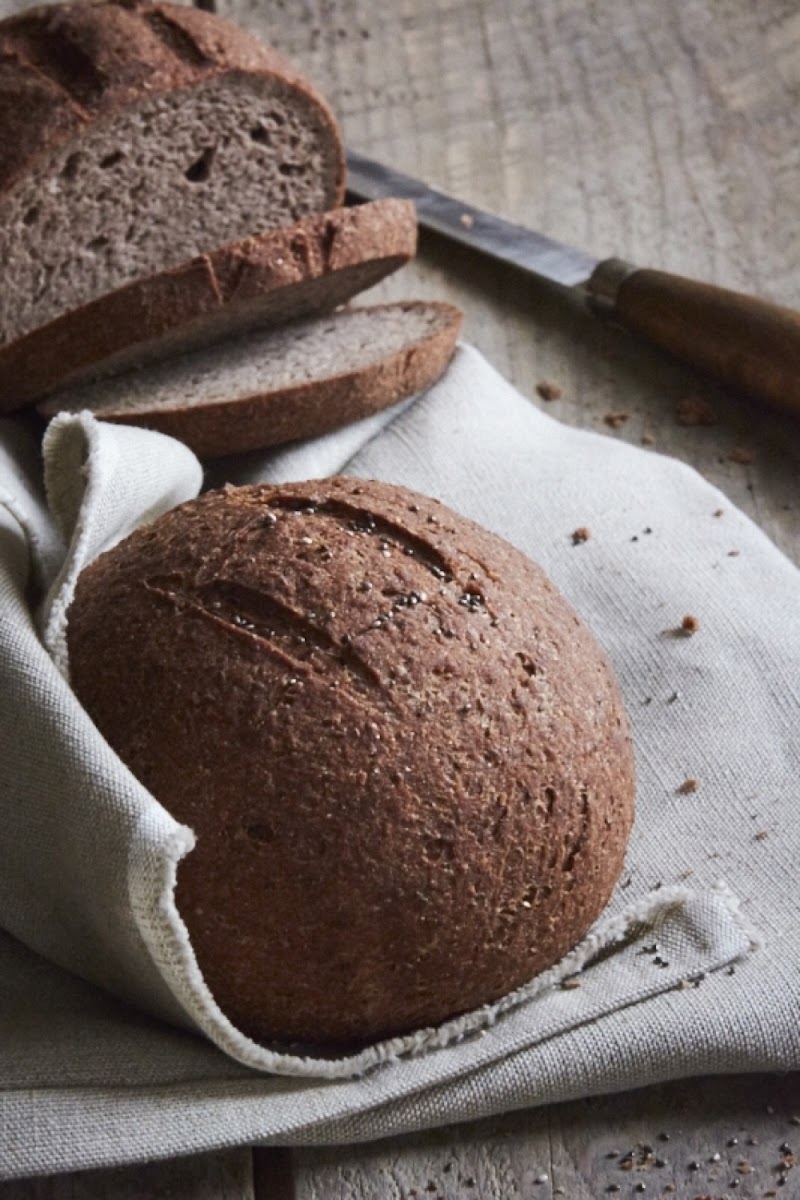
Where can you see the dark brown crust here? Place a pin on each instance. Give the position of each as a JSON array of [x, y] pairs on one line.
[[132, 320], [305, 410], [73, 64], [405, 758]]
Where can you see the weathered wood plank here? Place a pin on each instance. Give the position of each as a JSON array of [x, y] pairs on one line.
[[664, 133], [224, 1176], [669, 1134], [500, 1157]]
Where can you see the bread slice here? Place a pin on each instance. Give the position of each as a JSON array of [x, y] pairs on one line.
[[134, 136], [274, 386], [312, 266]]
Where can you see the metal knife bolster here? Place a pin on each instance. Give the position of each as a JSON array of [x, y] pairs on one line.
[[605, 282]]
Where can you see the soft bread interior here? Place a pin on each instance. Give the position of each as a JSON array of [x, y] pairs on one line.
[[306, 351], [156, 184]]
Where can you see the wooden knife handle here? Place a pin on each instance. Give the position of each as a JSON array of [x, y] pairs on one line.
[[749, 344]]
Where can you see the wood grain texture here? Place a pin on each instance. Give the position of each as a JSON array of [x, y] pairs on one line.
[[662, 133], [669, 1135]]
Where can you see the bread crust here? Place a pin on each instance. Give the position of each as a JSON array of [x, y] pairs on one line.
[[405, 758], [232, 426], [187, 300], [65, 66]]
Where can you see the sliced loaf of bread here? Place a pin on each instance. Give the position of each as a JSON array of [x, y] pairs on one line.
[[313, 265], [272, 386], [135, 135]]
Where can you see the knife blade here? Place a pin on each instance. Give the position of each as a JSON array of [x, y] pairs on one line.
[[509, 243], [745, 342]]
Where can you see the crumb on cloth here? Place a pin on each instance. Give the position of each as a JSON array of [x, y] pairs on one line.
[[548, 390]]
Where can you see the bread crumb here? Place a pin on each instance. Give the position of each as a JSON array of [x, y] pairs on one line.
[[761, 836], [548, 390], [740, 454], [569, 984], [695, 410], [615, 419], [648, 439], [467, 220], [689, 625], [580, 535], [718, 512], [688, 786]]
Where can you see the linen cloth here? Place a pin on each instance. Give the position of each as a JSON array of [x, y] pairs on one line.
[[101, 1002]]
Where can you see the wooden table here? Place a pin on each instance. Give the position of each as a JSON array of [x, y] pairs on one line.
[[665, 132]]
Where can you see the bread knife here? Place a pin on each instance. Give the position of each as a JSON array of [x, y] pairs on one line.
[[749, 344]]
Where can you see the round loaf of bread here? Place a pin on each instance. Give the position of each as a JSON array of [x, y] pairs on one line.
[[405, 758]]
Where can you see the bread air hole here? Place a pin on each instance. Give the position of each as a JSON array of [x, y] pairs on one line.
[[111, 160], [70, 168], [260, 135], [31, 216], [200, 169]]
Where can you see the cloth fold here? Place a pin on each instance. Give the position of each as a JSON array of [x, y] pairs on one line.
[[88, 857]]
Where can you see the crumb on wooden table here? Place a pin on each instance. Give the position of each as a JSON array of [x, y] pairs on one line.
[[580, 535], [695, 410], [548, 390], [688, 786], [647, 439], [740, 454]]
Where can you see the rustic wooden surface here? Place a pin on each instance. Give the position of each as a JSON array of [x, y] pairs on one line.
[[661, 131], [664, 131]]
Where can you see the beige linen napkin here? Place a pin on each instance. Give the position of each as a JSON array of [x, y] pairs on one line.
[[88, 858]]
